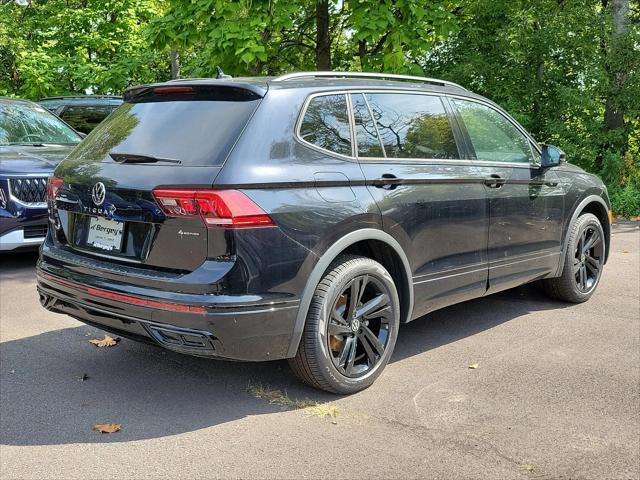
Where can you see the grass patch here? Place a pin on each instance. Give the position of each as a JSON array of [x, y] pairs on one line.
[[277, 397], [527, 467]]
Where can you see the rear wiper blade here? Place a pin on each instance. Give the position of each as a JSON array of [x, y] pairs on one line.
[[135, 158]]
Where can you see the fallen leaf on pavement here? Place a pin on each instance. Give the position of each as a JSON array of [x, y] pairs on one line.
[[473, 366], [107, 427], [107, 341]]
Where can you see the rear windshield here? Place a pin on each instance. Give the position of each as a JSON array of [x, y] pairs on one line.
[[196, 133]]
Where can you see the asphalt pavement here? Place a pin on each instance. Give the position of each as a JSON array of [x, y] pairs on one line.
[[556, 394]]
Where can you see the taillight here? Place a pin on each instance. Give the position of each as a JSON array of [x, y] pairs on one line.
[[218, 208], [53, 185], [167, 90]]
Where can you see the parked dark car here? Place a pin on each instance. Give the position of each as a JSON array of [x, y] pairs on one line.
[[307, 216], [32, 143], [82, 112]]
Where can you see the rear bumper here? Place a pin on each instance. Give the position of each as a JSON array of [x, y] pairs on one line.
[[210, 326]]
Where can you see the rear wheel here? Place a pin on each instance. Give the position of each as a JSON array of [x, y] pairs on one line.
[[582, 264], [351, 327]]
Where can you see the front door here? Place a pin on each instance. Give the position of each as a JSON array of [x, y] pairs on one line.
[[525, 201], [432, 198]]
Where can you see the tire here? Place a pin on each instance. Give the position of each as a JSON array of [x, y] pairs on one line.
[[326, 358], [579, 261]]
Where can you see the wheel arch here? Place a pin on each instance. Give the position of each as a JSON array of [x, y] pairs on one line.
[[596, 205], [368, 242]]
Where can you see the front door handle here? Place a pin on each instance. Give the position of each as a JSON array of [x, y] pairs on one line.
[[388, 181], [494, 181]]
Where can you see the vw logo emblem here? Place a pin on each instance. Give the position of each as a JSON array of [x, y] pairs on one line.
[[98, 193]]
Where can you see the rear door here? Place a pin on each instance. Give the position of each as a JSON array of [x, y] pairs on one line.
[[431, 196], [525, 201], [159, 138]]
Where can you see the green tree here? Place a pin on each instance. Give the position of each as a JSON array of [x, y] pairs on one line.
[[76, 46]]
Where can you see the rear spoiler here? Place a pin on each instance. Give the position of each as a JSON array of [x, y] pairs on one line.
[[215, 90]]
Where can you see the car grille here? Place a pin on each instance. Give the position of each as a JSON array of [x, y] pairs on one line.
[[35, 231], [29, 190]]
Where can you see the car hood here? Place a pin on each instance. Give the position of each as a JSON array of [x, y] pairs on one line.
[[18, 159]]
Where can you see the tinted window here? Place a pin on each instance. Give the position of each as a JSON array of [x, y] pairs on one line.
[[198, 133], [413, 126], [493, 136], [366, 132], [85, 118], [24, 123], [326, 124]]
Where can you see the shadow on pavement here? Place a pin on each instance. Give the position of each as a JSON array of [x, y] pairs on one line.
[[18, 265], [155, 393]]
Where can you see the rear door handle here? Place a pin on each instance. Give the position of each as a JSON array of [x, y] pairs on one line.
[[494, 181], [388, 181]]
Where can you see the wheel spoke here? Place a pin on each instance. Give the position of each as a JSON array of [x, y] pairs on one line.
[[338, 330], [576, 266], [372, 339], [593, 265], [344, 353], [593, 240], [352, 356], [337, 317], [368, 350], [355, 293], [370, 308], [364, 280], [583, 277]]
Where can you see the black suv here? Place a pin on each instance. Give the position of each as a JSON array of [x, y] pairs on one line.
[[307, 216]]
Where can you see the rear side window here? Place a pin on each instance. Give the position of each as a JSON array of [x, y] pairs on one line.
[[367, 137], [413, 126], [197, 133], [493, 136], [85, 118], [326, 124]]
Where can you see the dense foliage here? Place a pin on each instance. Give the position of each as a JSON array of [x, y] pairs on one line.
[[567, 69]]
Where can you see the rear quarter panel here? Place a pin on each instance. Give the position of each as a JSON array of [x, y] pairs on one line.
[[315, 198]]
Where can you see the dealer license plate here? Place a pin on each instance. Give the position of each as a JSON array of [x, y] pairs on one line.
[[105, 234]]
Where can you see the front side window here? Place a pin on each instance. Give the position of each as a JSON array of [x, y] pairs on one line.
[[493, 136], [413, 126], [326, 124]]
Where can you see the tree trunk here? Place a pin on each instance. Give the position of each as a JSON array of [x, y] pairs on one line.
[[175, 64], [614, 113], [362, 53], [616, 136], [323, 40]]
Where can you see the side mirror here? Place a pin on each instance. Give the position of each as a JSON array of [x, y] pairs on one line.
[[551, 156], [82, 134]]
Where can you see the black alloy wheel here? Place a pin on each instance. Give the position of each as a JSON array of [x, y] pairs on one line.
[[351, 327], [583, 262], [358, 329], [588, 258]]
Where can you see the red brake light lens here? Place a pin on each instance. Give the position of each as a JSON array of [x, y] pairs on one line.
[[167, 90], [53, 185], [218, 208]]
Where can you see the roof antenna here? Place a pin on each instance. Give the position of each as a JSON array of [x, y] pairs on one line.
[[220, 74]]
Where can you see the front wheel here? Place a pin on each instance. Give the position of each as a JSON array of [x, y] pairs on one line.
[[583, 262], [351, 327]]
